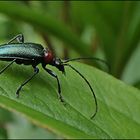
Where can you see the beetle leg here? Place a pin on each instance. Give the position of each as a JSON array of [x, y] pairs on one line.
[[36, 71], [7, 66], [55, 76], [19, 38]]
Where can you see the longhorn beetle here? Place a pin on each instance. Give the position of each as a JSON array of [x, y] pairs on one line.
[[33, 54]]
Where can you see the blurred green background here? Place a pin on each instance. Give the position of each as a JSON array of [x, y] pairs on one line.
[[109, 30]]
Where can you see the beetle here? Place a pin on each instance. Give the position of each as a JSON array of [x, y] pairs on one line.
[[34, 54]]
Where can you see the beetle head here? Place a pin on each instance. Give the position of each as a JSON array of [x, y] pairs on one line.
[[58, 64]]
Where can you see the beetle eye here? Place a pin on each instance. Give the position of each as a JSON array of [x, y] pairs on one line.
[[58, 61]]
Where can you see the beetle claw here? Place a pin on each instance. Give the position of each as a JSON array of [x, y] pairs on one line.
[[17, 93], [61, 99]]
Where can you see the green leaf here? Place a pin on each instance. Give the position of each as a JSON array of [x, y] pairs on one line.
[[27, 130], [117, 117]]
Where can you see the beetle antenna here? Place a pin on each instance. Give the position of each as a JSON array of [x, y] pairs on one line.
[[96, 105], [90, 58]]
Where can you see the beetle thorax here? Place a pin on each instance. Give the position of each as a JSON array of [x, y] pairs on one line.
[[48, 56]]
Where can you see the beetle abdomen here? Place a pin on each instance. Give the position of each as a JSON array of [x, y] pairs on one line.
[[25, 50], [25, 53]]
